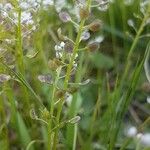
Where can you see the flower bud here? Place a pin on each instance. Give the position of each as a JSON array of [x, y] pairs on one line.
[[84, 13], [95, 26], [85, 35], [45, 79], [4, 78], [64, 16], [93, 46]]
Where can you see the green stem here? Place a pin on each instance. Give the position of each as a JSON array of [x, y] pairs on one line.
[[128, 64], [19, 51], [19, 56], [112, 26], [115, 125], [72, 129], [52, 108], [96, 110], [4, 121], [69, 68]]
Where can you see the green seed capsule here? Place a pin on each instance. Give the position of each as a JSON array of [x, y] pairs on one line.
[[84, 13], [60, 94], [93, 46], [95, 26]]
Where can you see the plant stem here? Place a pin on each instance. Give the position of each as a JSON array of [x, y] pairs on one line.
[[19, 51], [72, 129], [19, 55], [128, 64], [52, 108], [68, 73], [4, 121], [69, 68]]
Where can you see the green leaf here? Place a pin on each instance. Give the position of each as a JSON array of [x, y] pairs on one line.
[[102, 61], [23, 131]]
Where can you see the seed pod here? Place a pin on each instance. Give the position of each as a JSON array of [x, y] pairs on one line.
[[60, 35], [58, 62], [84, 13], [93, 46], [33, 114], [60, 94], [74, 120], [72, 90], [69, 46], [146, 87], [95, 26], [54, 64]]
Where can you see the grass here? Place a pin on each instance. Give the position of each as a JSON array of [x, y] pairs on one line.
[[80, 100]]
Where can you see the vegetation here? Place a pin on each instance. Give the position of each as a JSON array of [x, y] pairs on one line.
[[74, 75]]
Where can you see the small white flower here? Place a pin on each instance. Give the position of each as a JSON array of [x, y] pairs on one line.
[[57, 48], [99, 39], [69, 98], [139, 135], [103, 4], [48, 2], [131, 23], [148, 99], [76, 56], [131, 131], [8, 6], [24, 5], [26, 16], [62, 44], [4, 14], [85, 35], [8, 41], [145, 139]]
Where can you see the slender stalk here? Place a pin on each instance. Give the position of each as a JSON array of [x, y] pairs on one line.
[[68, 73], [69, 68], [137, 37], [72, 129], [19, 51], [123, 79], [125, 101], [52, 109], [4, 120], [19, 55], [75, 136], [112, 27], [96, 111]]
